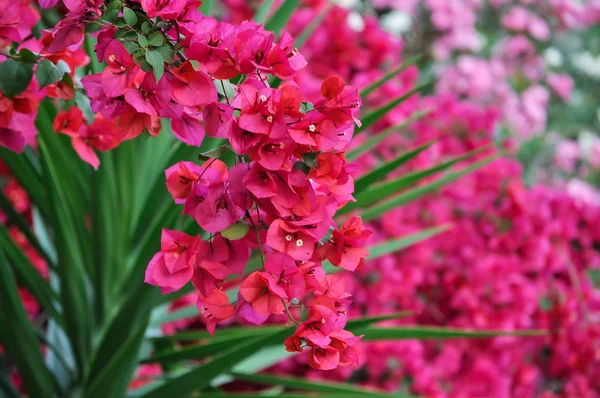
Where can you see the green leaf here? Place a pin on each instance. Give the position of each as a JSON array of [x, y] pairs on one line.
[[381, 172], [281, 17], [94, 66], [25, 169], [403, 242], [23, 226], [378, 83], [373, 141], [358, 323], [297, 383], [387, 188], [202, 375], [156, 60], [215, 153], [372, 117], [29, 277], [166, 52], [69, 230], [211, 347], [372, 333], [412, 194], [15, 76], [18, 338], [206, 7], [237, 332], [142, 41], [130, 17], [156, 39], [26, 55], [267, 394], [47, 73], [236, 231], [119, 344], [263, 11], [113, 379]]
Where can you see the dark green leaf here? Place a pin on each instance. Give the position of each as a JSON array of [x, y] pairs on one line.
[[142, 41], [166, 52], [26, 55], [372, 117], [69, 230], [206, 7], [15, 76], [156, 60], [373, 141], [29, 277], [412, 194], [281, 17], [381, 172], [373, 333], [18, 338], [236, 231], [215, 153], [297, 383], [47, 73], [130, 17], [156, 39], [25, 169], [110, 15], [375, 85], [211, 347], [23, 226], [387, 188], [403, 242], [201, 376]]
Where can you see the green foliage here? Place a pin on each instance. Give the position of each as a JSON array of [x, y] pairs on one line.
[[15, 76], [281, 17], [155, 59], [47, 73]]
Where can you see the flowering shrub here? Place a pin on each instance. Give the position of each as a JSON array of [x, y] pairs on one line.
[[271, 188], [516, 258]]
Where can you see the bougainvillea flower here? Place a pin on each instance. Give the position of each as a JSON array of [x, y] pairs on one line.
[[209, 275], [215, 308], [172, 267], [326, 358], [282, 276], [255, 290], [316, 131], [216, 117], [157, 274], [188, 130], [179, 249], [318, 326], [191, 87], [217, 211], [151, 97], [286, 238], [180, 178], [346, 248], [69, 122], [120, 70]]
